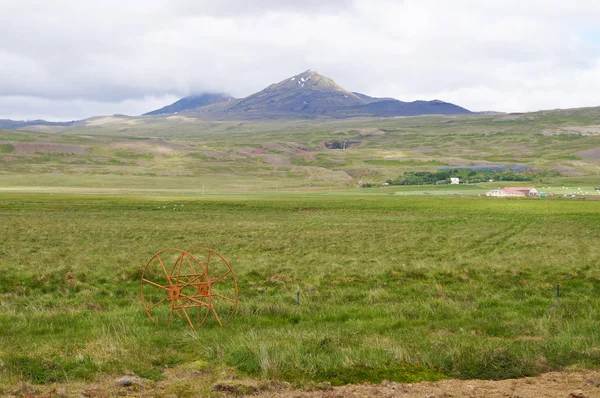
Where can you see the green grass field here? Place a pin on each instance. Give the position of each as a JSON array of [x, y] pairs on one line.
[[396, 287]]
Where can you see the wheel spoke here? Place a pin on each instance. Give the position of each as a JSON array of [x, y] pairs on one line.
[[194, 273], [207, 261], [155, 284], [193, 299], [193, 306], [191, 266], [180, 261], [173, 267], [164, 270], [221, 296], [216, 316], [221, 277], [192, 281], [179, 268], [157, 304], [187, 317]]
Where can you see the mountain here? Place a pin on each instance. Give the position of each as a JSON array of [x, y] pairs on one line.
[[307, 94], [191, 102], [311, 95]]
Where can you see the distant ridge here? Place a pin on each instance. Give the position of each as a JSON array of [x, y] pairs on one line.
[[393, 107], [8, 124], [368, 99], [311, 95], [490, 113], [191, 102]]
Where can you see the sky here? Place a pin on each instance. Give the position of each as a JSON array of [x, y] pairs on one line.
[[73, 59]]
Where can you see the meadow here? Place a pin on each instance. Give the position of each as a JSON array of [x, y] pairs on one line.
[[391, 287]]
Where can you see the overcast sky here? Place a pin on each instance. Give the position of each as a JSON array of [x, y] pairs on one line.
[[72, 59]]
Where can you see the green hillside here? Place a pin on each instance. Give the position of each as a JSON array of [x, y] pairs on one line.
[[179, 152]]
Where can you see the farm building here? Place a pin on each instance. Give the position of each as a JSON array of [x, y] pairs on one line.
[[513, 192], [454, 180]]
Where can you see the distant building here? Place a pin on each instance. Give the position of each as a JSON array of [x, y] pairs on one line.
[[454, 180], [513, 192]]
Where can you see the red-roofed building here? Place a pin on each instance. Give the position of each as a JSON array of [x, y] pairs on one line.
[[513, 192]]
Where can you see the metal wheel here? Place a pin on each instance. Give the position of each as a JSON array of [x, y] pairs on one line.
[[220, 286], [176, 283], [170, 287]]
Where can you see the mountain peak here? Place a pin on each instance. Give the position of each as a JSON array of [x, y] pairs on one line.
[[307, 93], [310, 79], [314, 90]]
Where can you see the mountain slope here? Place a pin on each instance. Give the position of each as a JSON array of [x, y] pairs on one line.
[[368, 99], [191, 102], [391, 108]]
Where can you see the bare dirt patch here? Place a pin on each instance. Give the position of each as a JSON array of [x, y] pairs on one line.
[[271, 159], [579, 130], [182, 119], [549, 385], [567, 170], [275, 146], [155, 146], [513, 118], [589, 154], [196, 383], [38, 147], [107, 120], [251, 151], [277, 161], [307, 156], [424, 150], [360, 173]]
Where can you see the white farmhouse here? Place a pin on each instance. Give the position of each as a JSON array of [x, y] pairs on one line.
[[510, 192]]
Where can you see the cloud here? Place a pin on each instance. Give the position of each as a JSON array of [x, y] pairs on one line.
[[74, 59], [33, 108], [244, 7]]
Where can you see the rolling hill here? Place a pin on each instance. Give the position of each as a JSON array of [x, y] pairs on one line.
[[182, 152], [8, 124]]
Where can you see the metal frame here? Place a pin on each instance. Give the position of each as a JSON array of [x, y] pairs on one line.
[[190, 287]]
